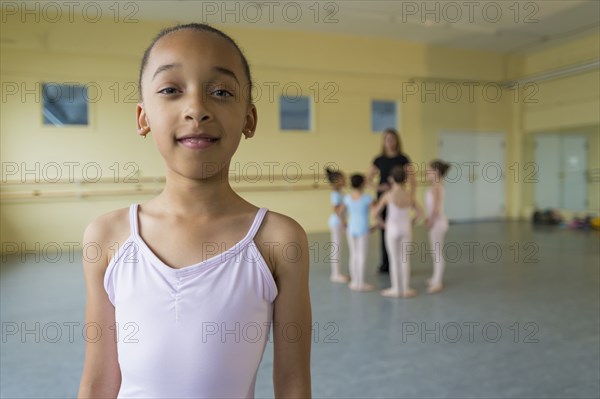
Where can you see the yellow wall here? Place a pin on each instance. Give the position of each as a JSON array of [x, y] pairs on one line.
[[360, 69]]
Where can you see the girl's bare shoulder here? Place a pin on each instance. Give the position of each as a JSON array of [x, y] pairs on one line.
[[277, 233], [280, 228], [108, 229]]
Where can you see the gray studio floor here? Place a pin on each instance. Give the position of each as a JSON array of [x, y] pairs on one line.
[[519, 319]]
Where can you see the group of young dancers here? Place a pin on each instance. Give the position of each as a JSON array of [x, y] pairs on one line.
[[395, 212]]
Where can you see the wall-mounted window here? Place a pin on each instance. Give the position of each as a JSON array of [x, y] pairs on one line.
[[383, 115], [64, 104], [294, 113]]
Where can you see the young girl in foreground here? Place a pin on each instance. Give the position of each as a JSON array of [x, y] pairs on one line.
[[199, 276], [398, 202], [336, 224], [437, 223], [357, 203]]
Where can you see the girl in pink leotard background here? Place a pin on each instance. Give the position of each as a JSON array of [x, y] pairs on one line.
[[437, 222], [399, 203]]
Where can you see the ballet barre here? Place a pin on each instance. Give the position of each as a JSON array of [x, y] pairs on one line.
[[255, 183], [158, 179], [81, 194]]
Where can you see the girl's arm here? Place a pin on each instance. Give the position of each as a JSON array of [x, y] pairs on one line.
[[101, 377], [378, 208], [419, 214], [335, 208], [339, 210], [371, 173], [292, 319], [437, 203], [412, 181]]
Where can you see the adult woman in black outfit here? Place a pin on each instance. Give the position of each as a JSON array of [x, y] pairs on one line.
[[391, 155]]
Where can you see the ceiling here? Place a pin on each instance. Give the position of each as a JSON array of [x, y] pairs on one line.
[[501, 26], [507, 26]]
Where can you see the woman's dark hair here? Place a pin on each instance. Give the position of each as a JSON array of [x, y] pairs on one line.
[[333, 175], [398, 174], [394, 133], [440, 166], [200, 28], [357, 180]]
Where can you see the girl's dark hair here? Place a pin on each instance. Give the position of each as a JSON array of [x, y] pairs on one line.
[[357, 180], [398, 174], [394, 133], [200, 28], [440, 166], [332, 175]]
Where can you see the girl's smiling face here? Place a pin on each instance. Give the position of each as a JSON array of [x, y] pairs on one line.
[[196, 102]]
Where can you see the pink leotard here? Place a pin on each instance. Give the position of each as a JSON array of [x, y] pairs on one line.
[[397, 220], [195, 332]]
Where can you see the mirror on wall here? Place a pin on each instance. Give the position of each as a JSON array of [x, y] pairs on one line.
[[565, 169]]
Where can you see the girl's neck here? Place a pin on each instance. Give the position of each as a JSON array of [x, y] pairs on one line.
[[211, 196], [391, 153], [398, 187]]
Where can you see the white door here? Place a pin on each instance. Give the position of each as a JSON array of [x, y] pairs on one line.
[[574, 163], [460, 150], [475, 181], [489, 179], [548, 163]]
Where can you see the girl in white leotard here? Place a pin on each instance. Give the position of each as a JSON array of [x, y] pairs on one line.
[[185, 306], [336, 224], [399, 203], [437, 223]]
